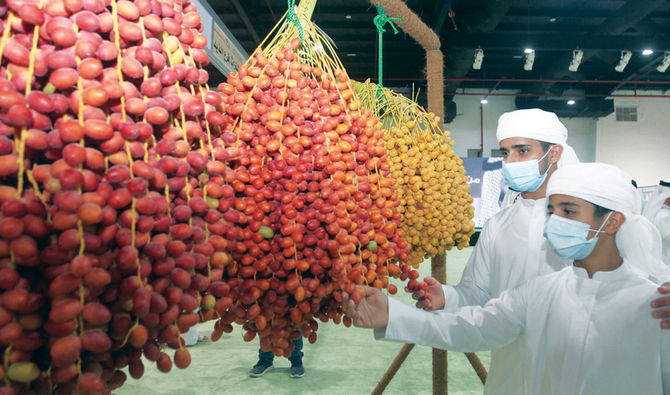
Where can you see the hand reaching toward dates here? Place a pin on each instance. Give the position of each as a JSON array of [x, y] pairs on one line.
[[428, 293], [368, 307]]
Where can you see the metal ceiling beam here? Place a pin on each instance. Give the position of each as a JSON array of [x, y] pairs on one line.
[[518, 80], [441, 18], [460, 60], [582, 12], [596, 96], [274, 17], [647, 27], [634, 77], [485, 18], [632, 12], [247, 22], [330, 14], [554, 42]]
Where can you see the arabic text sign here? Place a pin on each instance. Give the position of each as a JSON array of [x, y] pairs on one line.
[[487, 186], [225, 50]]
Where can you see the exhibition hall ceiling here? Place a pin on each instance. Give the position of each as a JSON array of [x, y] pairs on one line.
[[505, 30]]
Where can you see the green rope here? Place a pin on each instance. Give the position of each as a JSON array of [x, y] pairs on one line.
[[293, 17], [380, 20]]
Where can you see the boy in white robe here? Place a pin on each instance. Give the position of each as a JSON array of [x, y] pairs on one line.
[[657, 210], [534, 144], [586, 329], [511, 249]]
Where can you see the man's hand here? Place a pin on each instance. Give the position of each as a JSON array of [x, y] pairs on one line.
[[662, 305], [430, 300], [371, 312]]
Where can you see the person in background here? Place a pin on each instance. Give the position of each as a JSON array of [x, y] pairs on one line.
[[657, 210], [640, 196], [193, 337], [587, 328], [266, 359]]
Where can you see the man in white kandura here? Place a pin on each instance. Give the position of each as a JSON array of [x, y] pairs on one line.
[[587, 328], [511, 249], [657, 210]]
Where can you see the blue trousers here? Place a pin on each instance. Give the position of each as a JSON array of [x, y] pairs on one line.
[[296, 354]]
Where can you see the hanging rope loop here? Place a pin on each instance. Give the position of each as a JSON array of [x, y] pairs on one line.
[[380, 21], [293, 17]]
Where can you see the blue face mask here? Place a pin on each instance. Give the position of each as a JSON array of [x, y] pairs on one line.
[[525, 176], [567, 237]]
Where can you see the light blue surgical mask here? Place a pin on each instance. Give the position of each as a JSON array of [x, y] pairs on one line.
[[567, 237], [525, 176]]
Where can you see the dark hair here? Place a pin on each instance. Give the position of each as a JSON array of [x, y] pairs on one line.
[[600, 211], [545, 146]]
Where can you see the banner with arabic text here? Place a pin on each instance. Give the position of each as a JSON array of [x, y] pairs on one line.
[[487, 186]]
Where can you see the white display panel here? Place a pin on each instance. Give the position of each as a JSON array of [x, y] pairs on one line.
[[224, 51]]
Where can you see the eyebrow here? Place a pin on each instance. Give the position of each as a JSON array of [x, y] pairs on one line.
[[517, 146], [563, 204]]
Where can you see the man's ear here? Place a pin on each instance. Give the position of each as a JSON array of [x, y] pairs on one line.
[[615, 222], [555, 154]]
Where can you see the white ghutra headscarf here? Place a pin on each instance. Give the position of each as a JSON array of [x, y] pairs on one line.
[[657, 199], [638, 239], [538, 125]]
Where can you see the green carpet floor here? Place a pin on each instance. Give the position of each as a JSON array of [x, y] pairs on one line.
[[343, 361]]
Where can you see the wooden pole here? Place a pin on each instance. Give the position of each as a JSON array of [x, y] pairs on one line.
[[429, 40], [426, 37], [440, 363], [478, 366], [393, 369]]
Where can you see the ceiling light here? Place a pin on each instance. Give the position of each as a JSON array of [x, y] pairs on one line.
[[351, 54], [348, 16], [528, 50], [479, 58], [665, 63], [552, 19], [647, 52], [530, 59], [625, 58], [571, 102], [577, 56], [484, 101]]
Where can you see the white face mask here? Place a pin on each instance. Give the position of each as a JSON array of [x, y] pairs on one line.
[[525, 176], [568, 238]]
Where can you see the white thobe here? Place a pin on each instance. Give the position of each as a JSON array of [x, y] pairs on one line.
[[662, 222], [511, 250], [191, 337], [581, 335]]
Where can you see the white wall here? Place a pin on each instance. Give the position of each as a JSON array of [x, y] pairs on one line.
[[641, 149], [466, 127], [466, 130]]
